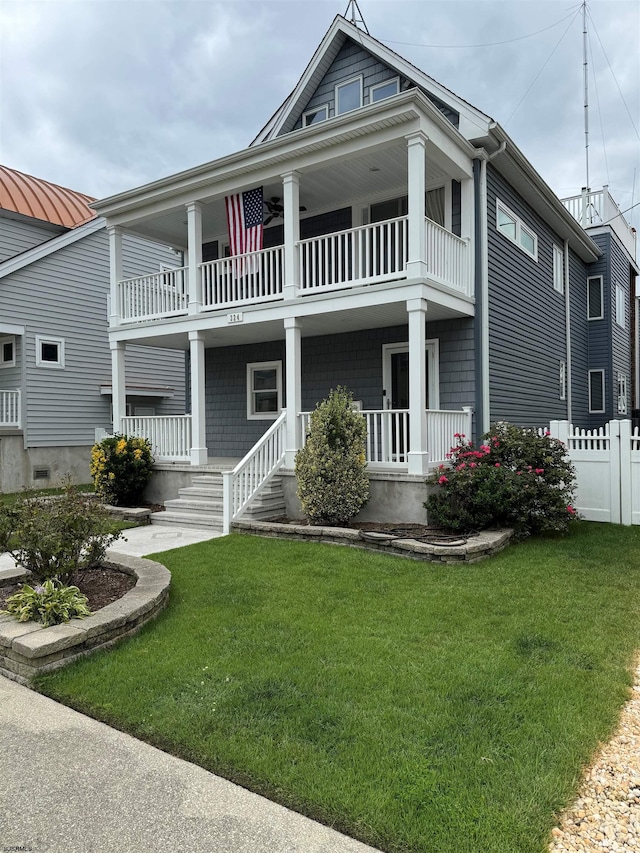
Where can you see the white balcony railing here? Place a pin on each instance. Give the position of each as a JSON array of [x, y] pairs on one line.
[[256, 277], [448, 258], [388, 438], [597, 207], [169, 436], [149, 297], [10, 409]]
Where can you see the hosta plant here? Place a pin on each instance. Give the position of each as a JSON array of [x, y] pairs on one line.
[[49, 603]]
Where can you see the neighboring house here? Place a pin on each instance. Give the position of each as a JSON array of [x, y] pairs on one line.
[[411, 253], [55, 362]]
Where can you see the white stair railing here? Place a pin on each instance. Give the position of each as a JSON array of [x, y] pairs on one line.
[[241, 485], [10, 409], [168, 435]]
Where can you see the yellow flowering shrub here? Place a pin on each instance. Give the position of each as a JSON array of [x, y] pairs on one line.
[[121, 467]]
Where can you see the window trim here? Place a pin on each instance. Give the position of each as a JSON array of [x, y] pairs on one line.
[[373, 89], [4, 340], [604, 398], [563, 380], [520, 226], [622, 393], [357, 79], [324, 107], [591, 278], [252, 367], [621, 312], [558, 268], [59, 342]]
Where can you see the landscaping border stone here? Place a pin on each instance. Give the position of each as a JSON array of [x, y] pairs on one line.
[[477, 547], [27, 648]]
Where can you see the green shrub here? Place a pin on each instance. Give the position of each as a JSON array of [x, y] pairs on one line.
[[121, 467], [514, 478], [331, 468], [50, 604], [55, 536]]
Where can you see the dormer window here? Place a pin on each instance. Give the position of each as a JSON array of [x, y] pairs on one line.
[[384, 90], [349, 95], [315, 116]]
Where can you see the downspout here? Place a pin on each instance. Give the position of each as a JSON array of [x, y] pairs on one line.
[[567, 315]]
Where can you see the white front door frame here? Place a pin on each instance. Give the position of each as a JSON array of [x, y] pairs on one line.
[[432, 350]]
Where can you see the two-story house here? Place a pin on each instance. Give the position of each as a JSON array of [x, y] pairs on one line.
[[55, 364], [409, 251]]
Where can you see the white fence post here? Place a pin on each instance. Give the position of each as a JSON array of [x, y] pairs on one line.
[[560, 430], [227, 501], [614, 471], [625, 472]]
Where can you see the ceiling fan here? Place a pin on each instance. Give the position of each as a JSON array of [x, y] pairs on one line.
[[275, 210]]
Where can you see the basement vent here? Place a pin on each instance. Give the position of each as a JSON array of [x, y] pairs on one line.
[[41, 474]]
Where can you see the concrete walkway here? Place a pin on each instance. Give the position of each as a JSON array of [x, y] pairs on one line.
[[73, 785]]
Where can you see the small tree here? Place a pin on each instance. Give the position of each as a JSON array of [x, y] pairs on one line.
[[121, 467], [331, 468]]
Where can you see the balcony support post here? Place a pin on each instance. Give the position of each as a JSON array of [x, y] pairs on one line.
[[118, 384], [293, 342], [198, 421], [194, 229], [291, 202], [115, 273], [417, 228], [418, 455]]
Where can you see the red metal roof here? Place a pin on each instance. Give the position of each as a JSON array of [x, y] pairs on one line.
[[43, 200]]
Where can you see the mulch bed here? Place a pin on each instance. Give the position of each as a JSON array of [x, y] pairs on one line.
[[101, 586]]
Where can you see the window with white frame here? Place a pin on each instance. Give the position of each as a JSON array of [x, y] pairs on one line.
[[8, 351], [384, 90], [315, 116], [596, 391], [348, 95], [595, 298], [620, 306], [558, 269], [49, 352], [563, 380], [264, 390], [622, 394], [514, 229]]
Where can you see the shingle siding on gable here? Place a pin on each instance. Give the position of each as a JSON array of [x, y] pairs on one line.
[[17, 236], [526, 318]]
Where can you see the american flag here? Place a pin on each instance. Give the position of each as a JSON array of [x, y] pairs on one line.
[[244, 219]]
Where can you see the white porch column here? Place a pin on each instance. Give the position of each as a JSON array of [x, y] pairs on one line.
[[291, 202], [293, 341], [417, 228], [198, 421], [467, 230], [418, 456], [115, 272], [194, 230], [118, 384]]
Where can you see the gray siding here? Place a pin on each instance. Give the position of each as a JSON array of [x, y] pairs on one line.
[[18, 235], [599, 333], [64, 296], [353, 360], [353, 60], [526, 318], [579, 342]]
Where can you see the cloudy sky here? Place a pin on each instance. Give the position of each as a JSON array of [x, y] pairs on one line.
[[105, 95]]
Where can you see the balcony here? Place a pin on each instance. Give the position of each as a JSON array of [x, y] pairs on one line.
[[357, 257], [10, 413], [595, 208]]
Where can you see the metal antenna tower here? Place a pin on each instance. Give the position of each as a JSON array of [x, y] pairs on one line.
[[586, 89], [354, 15]]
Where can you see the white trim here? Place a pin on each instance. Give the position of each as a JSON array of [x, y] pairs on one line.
[[358, 78], [601, 315], [604, 398], [58, 342], [252, 367], [38, 252], [563, 380], [558, 268], [622, 393], [8, 339], [432, 350], [621, 314], [373, 89], [317, 109], [519, 227], [9, 329]]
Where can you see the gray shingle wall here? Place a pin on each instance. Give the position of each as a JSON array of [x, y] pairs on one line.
[[599, 332], [579, 342], [17, 236], [526, 318]]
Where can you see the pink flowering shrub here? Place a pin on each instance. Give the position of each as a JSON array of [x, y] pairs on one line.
[[514, 478]]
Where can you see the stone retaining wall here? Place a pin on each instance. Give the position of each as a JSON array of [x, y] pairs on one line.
[[26, 648], [477, 547]]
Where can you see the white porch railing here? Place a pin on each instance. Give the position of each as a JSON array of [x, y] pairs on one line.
[[169, 436], [388, 440], [149, 297], [10, 409], [598, 207], [242, 484], [256, 277], [448, 258]]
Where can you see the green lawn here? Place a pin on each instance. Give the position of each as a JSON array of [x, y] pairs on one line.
[[9, 498], [418, 708]]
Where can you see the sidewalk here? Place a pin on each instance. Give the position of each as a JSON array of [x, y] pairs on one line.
[[73, 785]]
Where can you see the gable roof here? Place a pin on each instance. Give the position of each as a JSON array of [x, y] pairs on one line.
[[339, 31], [40, 199]]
